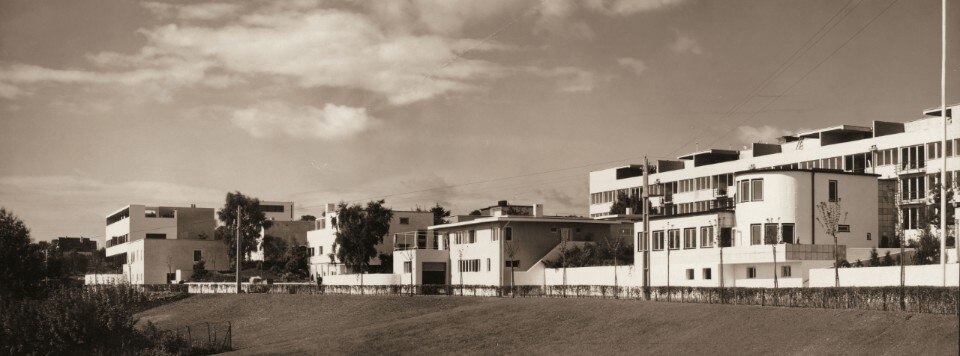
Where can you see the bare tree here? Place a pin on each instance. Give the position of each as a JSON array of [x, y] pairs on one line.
[[511, 249], [614, 244], [773, 242], [563, 262], [830, 215]]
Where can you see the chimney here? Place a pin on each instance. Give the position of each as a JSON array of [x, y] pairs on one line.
[[629, 211], [502, 203], [538, 210]]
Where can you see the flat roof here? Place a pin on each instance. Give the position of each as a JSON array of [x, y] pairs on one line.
[[711, 152], [807, 170], [533, 219], [836, 129]]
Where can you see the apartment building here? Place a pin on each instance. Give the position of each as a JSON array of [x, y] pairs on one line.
[[158, 245], [489, 250], [773, 231], [320, 240], [905, 154], [282, 225]]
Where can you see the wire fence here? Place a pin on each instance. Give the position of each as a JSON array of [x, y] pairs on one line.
[[205, 338]]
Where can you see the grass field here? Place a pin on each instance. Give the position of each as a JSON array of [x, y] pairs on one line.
[[332, 324]]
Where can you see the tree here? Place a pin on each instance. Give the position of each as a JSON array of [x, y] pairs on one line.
[[359, 230], [510, 248], [386, 262], [476, 213], [829, 216], [440, 214], [614, 245], [875, 257], [624, 201], [200, 272], [297, 265], [21, 264], [252, 222], [927, 248], [887, 260], [933, 205], [274, 249]]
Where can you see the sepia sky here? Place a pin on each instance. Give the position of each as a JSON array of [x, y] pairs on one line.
[[105, 103]]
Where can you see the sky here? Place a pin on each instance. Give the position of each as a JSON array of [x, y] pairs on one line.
[[105, 103]]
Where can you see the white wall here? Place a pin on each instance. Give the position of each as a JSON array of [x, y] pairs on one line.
[[923, 275], [370, 279]]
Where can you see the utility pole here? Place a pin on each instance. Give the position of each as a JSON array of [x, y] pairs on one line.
[[238, 250], [943, 143], [646, 223]]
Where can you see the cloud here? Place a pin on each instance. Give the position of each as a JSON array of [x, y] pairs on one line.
[[275, 119], [686, 44], [570, 79], [765, 133], [635, 65], [629, 7], [202, 12]]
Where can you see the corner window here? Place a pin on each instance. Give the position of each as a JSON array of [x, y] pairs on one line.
[[833, 191]]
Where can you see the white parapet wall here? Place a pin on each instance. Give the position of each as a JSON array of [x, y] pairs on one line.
[[925, 275], [372, 279], [95, 279]]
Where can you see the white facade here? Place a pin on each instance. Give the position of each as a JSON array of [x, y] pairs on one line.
[[909, 151], [155, 242], [320, 241], [277, 210]]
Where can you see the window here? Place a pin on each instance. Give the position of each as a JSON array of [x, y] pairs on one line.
[[744, 191], [658, 240], [755, 234], [470, 265], [751, 272], [488, 265], [404, 221], [673, 239], [689, 273], [707, 273], [472, 236], [869, 237], [770, 234], [757, 189], [320, 250], [689, 238], [407, 267], [833, 190], [156, 236], [513, 264], [495, 234], [508, 233], [787, 233], [197, 255], [641, 242], [843, 228], [786, 271], [706, 236]]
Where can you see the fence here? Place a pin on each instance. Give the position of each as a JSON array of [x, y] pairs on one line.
[[204, 338], [935, 300]]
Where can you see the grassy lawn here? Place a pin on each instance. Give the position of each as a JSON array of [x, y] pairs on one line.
[[275, 323]]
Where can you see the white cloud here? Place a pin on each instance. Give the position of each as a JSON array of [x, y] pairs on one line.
[[765, 133], [629, 7], [570, 79], [686, 44], [635, 65], [202, 12], [274, 119]]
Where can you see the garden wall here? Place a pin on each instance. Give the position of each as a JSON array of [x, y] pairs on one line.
[[922, 275]]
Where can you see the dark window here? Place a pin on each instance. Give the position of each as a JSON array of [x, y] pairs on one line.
[[271, 208], [690, 273], [197, 255], [786, 271], [833, 190], [404, 221], [755, 234], [157, 236], [407, 266], [514, 263], [707, 273], [788, 233], [508, 233], [843, 228], [751, 272], [770, 234]]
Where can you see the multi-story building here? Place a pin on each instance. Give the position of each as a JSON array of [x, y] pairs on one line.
[[282, 226], [320, 241], [907, 154], [490, 250], [157, 245], [775, 230]]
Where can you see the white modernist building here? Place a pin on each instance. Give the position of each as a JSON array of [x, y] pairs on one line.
[[161, 244], [282, 225], [320, 241]]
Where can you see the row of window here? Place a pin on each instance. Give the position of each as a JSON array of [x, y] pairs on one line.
[[750, 190], [470, 236], [116, 240], [473, 265], [772, 234], [785, 271], [708, 237]]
